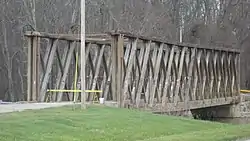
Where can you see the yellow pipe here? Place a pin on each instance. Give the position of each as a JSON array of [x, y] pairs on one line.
[[74, 91], [245, 91]]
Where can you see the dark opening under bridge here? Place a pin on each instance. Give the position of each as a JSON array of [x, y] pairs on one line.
[[133, 70]]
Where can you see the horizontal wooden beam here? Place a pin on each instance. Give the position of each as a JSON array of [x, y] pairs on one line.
[[70, 37], [197, 104], [129, 35], [106, 39]]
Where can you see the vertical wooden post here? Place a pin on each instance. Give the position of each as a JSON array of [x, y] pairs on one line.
[[38, 67], [34, 69], [114, 66], [29, 71], [238, 73], [120, 69]]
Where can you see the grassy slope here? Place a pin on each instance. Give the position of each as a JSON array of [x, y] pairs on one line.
[[110, 124]]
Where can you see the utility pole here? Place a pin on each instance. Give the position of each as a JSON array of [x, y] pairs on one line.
[[83, 61]]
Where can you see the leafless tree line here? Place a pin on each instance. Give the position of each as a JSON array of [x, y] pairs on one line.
[[205, 22]]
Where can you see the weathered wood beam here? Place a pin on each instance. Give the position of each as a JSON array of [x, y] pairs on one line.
[[168, 72], [69, 55], [129, 35], [48, 71], [97, 70], [143, 73], [129, 71], [156, 73], [120, 69], [29, 69]]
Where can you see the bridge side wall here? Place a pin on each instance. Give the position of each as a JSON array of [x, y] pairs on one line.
[[161, 75], [133, 70]]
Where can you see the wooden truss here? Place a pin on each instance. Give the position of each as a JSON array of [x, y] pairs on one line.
[[134, 70]]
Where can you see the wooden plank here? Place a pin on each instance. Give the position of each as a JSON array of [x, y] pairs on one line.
[[106, 40], [126, 55], [68, 59], [207, 72], [120, 69], [188, 95], [92, 64], [38, 67], [156, 74], [61, 66], [133, 78], [70, 37], [108, 82], [162, 77], [45, 59], [219, 75], [129, 35], [215, 73], [140, 60], [107, 91], [204, 75], [176, 92], [143, 72], [174, 74], [29, 69], [223, 75], [184, 75], [199, 96], [151, 73], [138, 63], [76, 81], [194, 89], [128, 71], [34, 69], [234, 66], [229, 91], [147, 83], [237, 67], [232, 69], [226, 77], [211, 78], [89, 64], [114, 45], [106, 74], [97, 71], [167, 80], [164, 64], [48, 71]]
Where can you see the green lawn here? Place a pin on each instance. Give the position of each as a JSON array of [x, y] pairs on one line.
[[111, 124]]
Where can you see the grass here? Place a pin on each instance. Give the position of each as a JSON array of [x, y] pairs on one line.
[[111, 124]]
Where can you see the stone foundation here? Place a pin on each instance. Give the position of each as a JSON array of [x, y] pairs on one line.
[[240, 110]]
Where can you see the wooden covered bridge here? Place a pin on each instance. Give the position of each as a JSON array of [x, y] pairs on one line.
[[133, 70]]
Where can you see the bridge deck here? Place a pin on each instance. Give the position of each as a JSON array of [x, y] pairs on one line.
[[181, 106]]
